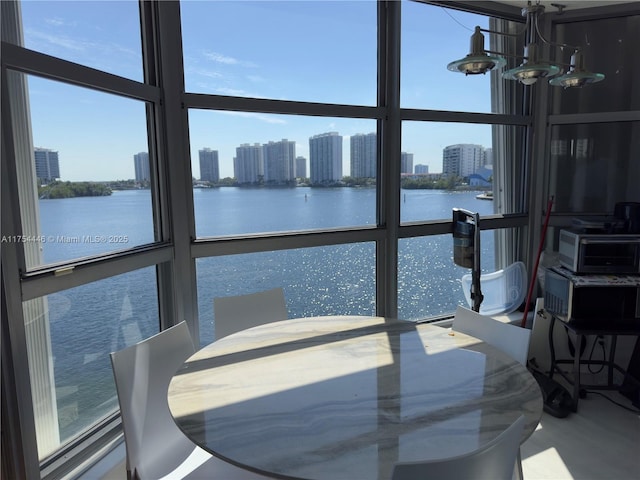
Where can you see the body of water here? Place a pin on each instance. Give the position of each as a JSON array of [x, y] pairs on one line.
[[88, 322]]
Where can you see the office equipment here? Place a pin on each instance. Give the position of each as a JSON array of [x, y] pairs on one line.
[[600, 298], [582, 252]]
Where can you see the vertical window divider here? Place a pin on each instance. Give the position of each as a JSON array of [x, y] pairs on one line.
[[158, 161], [20, 433], [389, 33], [176, 165], [17, 143]]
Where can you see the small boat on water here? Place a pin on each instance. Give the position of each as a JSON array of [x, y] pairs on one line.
[[485, 196]]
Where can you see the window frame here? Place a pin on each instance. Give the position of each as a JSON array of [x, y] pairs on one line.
[[20, 285], [177, 248]]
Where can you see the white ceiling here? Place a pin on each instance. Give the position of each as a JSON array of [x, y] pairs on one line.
[[569, 4]]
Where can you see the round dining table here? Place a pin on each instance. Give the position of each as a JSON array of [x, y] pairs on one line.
[[348, 397]]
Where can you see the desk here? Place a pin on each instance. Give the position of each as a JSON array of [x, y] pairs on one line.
[[347, 397], [580, 329]]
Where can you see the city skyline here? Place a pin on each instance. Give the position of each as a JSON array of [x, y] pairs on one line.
[[221, 61], [250, 160]]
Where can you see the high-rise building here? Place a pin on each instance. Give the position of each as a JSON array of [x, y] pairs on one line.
[[325, 158], [421, 169], [279, 162], [363, 155], [47, 165], [462, 160], [301, 167], [406, 162], [488, 157], [248, 166], [141, 165], [209, 165]]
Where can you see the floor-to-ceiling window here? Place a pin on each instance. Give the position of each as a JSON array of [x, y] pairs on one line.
[[84, 239], [312, 139], [461, 134], [593, 144]]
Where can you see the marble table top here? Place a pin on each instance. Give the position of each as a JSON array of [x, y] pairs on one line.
[[347, 397]]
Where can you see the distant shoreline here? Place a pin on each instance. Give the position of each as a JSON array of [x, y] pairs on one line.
[[57, 190]]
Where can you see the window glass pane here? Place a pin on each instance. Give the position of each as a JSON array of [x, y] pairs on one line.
[[81, 193], [433, 37], [447, 165], [282, 50], [69, 337], [429, 283], [331, 280], [99, 34], [276, 173], [609, 47], [594, 166]]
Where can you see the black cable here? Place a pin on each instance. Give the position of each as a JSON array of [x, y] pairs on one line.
[[598, 340], [456, 20]]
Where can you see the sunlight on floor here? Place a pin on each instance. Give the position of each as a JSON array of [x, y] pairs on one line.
[[545, 465]]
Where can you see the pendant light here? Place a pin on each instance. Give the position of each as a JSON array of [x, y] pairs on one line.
[[533, 67]]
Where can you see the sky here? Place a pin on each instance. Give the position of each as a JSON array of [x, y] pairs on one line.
[[319, 51]]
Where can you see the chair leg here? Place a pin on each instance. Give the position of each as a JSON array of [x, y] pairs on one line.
[[517, 470]]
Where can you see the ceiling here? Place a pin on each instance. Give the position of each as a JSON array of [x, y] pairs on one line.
[[569, 4]]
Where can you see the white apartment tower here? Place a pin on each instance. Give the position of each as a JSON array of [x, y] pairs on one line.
[[47, 164], [462, 160], [406, 162], [488, 156], [363, 155], [325, 158], [209, 165], [301, 167], [279, 162], [141, 165], [248, 166]]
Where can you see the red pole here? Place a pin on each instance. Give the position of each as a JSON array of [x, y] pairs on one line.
[[535, 268]]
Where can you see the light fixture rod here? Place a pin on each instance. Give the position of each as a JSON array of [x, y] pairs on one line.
[[552, 44], [504, 34], [513, 55]]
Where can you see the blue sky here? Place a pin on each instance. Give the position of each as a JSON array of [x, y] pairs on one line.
[[321, 51]]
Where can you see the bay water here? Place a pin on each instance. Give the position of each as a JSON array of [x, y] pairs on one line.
[[88, 322]]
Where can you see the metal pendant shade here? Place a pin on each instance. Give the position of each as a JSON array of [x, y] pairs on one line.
[[577, 76], [478, 60], [533, 67]]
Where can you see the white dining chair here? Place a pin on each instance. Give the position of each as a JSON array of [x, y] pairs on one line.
[[232, 314], [511, 339], [155, 447], [493, 461]]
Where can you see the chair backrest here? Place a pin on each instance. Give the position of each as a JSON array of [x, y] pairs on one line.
[[142, 374], [512, 340], [232, 314], [494, 461], [503, 291]]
